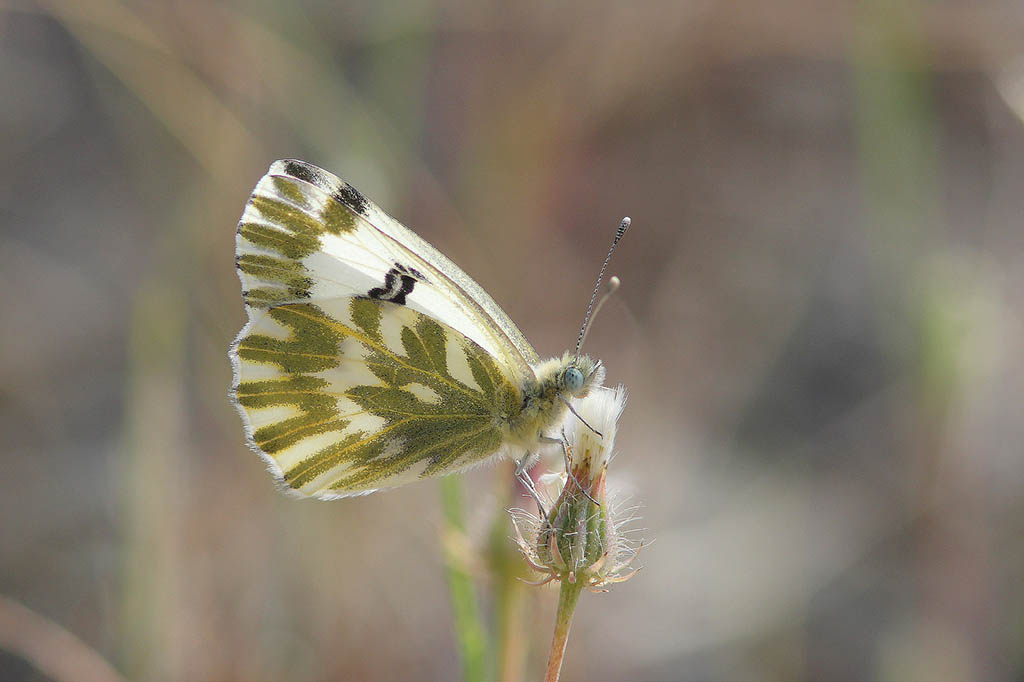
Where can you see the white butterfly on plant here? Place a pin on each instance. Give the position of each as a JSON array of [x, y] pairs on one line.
[[371, 360]]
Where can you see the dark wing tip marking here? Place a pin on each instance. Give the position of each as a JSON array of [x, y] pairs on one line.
[[351, 197], [303, 171], [342, 192]]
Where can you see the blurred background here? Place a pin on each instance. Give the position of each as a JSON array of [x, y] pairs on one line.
[[819, 326]]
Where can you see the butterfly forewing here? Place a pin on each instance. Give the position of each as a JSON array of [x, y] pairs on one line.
[[363, 251]]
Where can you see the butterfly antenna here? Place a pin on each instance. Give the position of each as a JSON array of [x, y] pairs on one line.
[[613, 284]]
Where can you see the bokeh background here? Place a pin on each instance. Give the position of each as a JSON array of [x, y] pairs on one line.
[[819, 325]]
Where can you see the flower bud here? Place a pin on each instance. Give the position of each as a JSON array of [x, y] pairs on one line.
[[578, 538]]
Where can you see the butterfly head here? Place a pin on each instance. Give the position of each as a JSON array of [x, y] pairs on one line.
[[579, 374]]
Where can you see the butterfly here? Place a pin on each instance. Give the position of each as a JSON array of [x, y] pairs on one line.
[[369, 359]]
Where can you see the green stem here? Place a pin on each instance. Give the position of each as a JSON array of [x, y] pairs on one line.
[[470, 634], [567, 598], [511, 641]]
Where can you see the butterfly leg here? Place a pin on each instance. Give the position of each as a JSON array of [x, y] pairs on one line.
[[524, 477], [526, 462]]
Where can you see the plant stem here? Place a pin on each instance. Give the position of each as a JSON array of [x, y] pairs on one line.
[[511, 641], [470, 633], [567, 598]]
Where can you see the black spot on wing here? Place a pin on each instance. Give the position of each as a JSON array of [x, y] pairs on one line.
[[305, 172], [351, 197], [388, 290], [406, 289], [398, 283], [341, 191]]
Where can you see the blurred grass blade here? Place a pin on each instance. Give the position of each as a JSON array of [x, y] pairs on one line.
[[55, 652], [470, 633]]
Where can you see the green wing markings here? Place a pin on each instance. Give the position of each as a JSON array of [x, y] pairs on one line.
[[290, 217], [462, 425], [290, 189], [321, 462], [485, 374], [288, 273], [427, 420], [429, 417], [292, 228], [441, 447], [311, 347], [335, 217], [319, 410], [338, 218], [427, 346], [366, 315], [288, 244]]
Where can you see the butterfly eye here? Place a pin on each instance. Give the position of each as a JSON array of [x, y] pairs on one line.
[[573, 380]]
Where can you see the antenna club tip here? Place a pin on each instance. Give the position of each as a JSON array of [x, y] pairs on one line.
[[613, 283], [623, 226]]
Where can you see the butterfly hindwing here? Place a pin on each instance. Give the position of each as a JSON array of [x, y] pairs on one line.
[[355, 394]]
